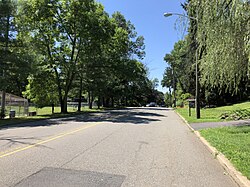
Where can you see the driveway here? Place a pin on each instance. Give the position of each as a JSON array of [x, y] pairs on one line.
[[198, 126]]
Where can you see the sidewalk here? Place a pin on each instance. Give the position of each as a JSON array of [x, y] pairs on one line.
[[198, 126]]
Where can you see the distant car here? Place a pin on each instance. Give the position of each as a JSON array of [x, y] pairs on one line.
[[152, 104]]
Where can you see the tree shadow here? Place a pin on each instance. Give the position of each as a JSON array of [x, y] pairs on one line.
[[17, 140], [154, 108], [129, 115], [120, 116]]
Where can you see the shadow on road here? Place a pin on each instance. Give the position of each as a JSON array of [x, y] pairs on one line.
[[134, 116], [16, 140]]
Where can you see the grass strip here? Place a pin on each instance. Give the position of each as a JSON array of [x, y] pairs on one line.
[[234, 143], [44, 113], [212, 114]]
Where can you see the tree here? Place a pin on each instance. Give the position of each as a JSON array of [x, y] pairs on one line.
[[222, 37], [155, 83], [180, 70], [167, 82], [15, 63], [59, 30], [113, 66], [41, 89], [6, 12], [94, 68]]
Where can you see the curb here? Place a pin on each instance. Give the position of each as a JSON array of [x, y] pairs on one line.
[[241, 180]]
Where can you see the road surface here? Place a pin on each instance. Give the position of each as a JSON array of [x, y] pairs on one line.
[[141, 147]]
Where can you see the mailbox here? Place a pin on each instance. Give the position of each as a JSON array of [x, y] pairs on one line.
[[191, 104]]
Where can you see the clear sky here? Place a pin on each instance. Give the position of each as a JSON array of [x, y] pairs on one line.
[[159, 32]]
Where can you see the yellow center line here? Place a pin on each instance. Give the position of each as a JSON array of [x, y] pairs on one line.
[[4, 154]]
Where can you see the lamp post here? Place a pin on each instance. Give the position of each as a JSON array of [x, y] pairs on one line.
[[174, 86], [197, 85]]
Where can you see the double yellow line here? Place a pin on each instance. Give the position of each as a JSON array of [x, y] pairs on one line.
[[11, 152]]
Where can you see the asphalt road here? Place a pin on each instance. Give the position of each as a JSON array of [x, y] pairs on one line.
[[134, 147]]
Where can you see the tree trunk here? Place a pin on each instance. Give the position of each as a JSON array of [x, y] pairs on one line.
[[107, 102], [64, 104], [112, 102], [90, 99], [2, 114], [3, 105], [61, 104], [170, 97], [99, 102], [103, 102], [59, 89], [80, 97], [53, 108]]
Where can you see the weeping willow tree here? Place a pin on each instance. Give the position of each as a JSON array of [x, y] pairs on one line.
[[222, 38]]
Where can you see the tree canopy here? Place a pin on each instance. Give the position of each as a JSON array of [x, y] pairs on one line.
[[219, 32], [54, 50]]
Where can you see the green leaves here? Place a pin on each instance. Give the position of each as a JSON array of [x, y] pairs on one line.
[[219, 35], [180, 68], [77, 40], [222, 34], [15, 64]]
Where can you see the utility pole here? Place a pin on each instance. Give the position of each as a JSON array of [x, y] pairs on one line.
[[197, 88], [174, 86], [197, 84]]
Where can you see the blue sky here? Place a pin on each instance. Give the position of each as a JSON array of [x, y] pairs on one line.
[[159, 32]]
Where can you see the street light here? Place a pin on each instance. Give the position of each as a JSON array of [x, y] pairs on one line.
[[168, 14], [197, 86]]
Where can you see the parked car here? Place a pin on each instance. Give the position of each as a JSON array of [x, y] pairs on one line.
[[152, 104]]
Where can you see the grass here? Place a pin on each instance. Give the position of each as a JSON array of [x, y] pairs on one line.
[[44, 113], [48, 110], [234, 143], [211, 114]]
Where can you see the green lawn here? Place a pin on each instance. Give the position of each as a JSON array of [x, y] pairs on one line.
[[48, 110], [211, 114], [44, 113], [234, 143]]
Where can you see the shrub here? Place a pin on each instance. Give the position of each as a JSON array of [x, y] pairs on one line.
[[236, 114], [180, 103]]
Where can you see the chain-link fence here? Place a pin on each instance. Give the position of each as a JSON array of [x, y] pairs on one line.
[[15, 103]]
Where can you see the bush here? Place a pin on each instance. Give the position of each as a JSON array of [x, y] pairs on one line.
[[185, 96], [236, 115], [180, 103]]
